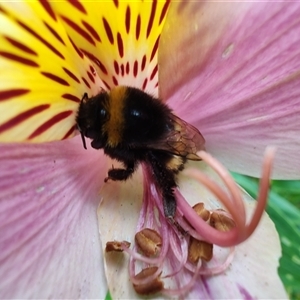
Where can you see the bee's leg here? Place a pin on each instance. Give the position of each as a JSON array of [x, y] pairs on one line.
[[165, 179], [169, 202], [170, 205], [121, 174]]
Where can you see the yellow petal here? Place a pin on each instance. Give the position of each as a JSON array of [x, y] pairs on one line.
[[121, 37], [43, 77]]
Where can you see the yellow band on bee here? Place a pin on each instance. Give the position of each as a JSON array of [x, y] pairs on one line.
[[115, 125]]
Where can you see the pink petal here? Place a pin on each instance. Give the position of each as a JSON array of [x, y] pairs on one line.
[[49, 241], [233, 72]]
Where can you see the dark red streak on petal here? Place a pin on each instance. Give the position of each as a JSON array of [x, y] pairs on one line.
[[79, 30], [23, 117], [92, 69], [2, 10], [116, 67], [106, 84], [69, 133], [120, 45], [108, 31], [143, 65], [138, 27], [127, 68], [48, 45], [78, 5], [145, 83], [8, 94], [55, 78], [71, 74], [135, 68], [91, 30], [86, 82], [91, 77], [164, 11], [76, 49], [19, 59], [127, 19], [54, 120], [115, 81], [152, 15], [154, 50], [48, 9], [156, 85], [71, 97], [122, 70], [95, 60], [116, 2], [153, 72], [20, 46], [54, 33]]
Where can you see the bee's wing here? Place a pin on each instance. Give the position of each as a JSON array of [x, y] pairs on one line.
[[183, 140]]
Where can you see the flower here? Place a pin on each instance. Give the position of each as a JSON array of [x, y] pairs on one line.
[[47, 225], [172, 258]]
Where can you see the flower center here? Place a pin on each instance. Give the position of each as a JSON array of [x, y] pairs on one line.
[[165, 260]]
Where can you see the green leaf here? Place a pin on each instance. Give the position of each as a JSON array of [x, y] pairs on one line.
[[288, 189], [108, 296]]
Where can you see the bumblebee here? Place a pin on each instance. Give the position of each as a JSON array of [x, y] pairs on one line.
[[131, 126]]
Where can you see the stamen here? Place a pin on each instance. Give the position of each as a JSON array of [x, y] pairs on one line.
[[224, 239], [152, 287], [152, 273], [200, 250], [242, 231], [263, 190], [229, 182], [187, 287], [148, 241], [201, 211], [215, 270], [115, 246], [183, 258], [221, 222]]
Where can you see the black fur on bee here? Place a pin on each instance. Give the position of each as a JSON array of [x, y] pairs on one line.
[[132, 127]]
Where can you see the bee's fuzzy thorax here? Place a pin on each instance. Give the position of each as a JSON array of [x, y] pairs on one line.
[[132, 126], [115, 125]]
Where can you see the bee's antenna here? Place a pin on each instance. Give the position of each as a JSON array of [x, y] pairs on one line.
[[85, 96], [83, 140]]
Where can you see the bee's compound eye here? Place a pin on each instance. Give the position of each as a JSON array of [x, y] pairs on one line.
[[103, 112], [136, 113]]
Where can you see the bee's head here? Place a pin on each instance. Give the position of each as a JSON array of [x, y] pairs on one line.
[[92, 115]]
